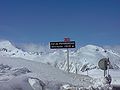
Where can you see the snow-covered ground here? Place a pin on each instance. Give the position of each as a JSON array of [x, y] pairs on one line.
[[46, 73], [47, 67]]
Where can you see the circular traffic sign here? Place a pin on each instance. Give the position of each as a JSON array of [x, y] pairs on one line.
[[103, 63]]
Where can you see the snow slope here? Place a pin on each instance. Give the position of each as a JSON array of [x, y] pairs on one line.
[[46, 73]]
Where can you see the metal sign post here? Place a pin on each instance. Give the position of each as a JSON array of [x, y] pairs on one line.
[[67, 40], [103, 64], [68, 60], [66, 44]]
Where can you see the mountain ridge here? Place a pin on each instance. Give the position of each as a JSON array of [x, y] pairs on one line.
[[82, 59]]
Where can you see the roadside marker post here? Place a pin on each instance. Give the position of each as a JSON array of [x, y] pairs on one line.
[[66, 44]]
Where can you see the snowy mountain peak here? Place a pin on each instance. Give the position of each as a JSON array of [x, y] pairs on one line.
[[92, 50], [9, 50], [6, 44], [93, 47]]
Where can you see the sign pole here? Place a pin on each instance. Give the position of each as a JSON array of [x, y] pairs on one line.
[[104, 73], [64, 44], [68, 60], [108, 65]]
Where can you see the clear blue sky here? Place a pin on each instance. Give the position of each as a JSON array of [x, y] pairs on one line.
[[42, 21]]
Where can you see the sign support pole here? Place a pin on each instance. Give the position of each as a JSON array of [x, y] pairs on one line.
[[64, 44], [104, 73], [68, 60]]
